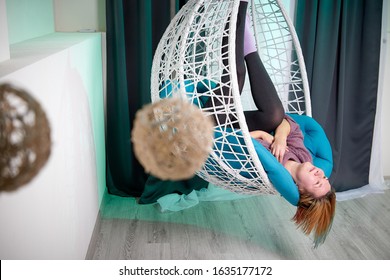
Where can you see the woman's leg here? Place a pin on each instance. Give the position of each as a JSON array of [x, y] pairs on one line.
[[270, 111], [240, 47], [218, 102]]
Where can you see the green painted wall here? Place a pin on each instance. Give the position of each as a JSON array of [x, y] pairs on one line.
[[29, 19], [87, 59]]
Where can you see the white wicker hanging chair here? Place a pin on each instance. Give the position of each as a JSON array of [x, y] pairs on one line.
[[188, 63]]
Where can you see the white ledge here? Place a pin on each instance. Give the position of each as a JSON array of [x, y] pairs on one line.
[[30, 51]]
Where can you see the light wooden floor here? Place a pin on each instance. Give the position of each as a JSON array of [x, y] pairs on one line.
[[252, 228]]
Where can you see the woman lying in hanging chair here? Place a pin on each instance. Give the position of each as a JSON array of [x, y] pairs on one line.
[[281, 135]]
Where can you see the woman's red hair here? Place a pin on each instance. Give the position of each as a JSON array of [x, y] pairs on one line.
[[316, 215]]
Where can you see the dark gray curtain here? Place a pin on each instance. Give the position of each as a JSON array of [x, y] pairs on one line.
[[134, 28], [341, 45]]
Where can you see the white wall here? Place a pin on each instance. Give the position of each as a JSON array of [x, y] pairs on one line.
[[75, 15], [29, 19], [386, 98], [53, 216], [4, 43], [85, 15]]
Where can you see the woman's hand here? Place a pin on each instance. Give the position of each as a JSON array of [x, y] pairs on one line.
[[279, 148], [279, 145]]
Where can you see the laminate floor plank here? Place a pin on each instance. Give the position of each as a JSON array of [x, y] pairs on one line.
[[258, 227]]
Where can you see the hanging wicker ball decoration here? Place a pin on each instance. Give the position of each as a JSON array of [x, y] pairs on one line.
[[24, 137], [172, 138]]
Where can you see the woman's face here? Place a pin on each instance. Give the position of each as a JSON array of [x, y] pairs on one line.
[[312, 180]]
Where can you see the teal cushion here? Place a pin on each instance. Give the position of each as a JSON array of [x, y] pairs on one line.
[[197, 99], [167, 87]]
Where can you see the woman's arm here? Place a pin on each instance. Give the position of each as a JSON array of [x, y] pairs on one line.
[[279, 145], [259, 134]]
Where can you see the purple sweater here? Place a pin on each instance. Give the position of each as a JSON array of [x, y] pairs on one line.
[[296, 149]]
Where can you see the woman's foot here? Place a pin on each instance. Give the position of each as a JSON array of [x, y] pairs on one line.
[[249, 38]]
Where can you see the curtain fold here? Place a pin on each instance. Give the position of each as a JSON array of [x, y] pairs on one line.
[[134, 29], [340, 42]]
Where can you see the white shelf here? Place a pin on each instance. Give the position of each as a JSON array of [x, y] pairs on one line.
[[30, 51]]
